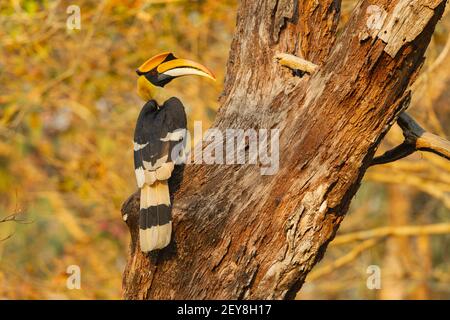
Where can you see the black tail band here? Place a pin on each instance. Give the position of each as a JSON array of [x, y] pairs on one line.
[[155, 216]]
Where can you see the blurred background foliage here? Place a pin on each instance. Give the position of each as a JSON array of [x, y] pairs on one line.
[[67, 112]]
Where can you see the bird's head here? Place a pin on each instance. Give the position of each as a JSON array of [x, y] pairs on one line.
[[162, 69]]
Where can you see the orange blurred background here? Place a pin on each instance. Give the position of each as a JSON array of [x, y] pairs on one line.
[[67, 112]]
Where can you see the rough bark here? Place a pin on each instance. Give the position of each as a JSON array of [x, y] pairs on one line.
[[240, 235]]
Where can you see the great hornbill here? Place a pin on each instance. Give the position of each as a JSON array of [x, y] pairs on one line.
[[159, 129]]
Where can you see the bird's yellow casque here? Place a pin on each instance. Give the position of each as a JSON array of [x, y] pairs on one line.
[[159, 131]]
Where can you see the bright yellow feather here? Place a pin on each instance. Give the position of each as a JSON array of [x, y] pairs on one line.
[[145, 89]]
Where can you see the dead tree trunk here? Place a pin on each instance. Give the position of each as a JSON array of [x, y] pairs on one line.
[[240, 235]]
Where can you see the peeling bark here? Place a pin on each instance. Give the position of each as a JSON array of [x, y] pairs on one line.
[[240, 235], [406, 23]]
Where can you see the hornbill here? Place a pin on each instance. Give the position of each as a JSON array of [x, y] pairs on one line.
[[159, 129]]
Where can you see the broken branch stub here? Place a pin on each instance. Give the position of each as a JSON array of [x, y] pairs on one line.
[[296, 63]]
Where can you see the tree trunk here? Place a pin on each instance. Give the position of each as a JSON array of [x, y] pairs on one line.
[[241, 235]]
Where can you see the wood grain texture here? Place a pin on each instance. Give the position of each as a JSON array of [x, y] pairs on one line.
[[240, 235], [407, 21]]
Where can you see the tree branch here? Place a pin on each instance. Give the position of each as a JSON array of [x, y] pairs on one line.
[[370, 239], [416, 139], [12, 218], [344, 260], [401, 231]]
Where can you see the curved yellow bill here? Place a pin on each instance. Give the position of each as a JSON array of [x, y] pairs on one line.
[[184, 67]]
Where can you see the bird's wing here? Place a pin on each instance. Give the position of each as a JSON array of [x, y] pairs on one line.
[[176, 128], [158, 132]]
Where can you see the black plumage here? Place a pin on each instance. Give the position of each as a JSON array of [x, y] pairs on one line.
[[159, 130], [153, 124]]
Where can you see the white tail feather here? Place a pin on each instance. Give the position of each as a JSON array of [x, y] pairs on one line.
[[156, 237]]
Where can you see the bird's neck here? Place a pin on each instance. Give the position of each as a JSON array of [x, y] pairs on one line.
[[146, 90]]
